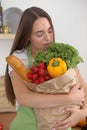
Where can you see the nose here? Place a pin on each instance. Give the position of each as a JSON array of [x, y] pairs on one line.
[[47, 36]]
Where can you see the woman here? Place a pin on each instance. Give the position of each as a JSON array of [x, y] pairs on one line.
[[36, 32]]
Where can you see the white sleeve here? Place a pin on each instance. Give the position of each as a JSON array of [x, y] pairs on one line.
[[22, 56]]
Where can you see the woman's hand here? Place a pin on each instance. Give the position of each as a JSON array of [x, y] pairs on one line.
[[77, 94], [72, 120]]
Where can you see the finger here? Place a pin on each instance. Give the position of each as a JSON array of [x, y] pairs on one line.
[[63, 127], [83, 99], [62, 123], [81, 88], [82, 102], [77, 86], [53, 129]]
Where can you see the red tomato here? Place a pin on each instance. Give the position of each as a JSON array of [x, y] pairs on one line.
[[1, 126], [34, 69], [36, 81], [41, 65], [41, 72], [41, 79], [34, 76], [29, 75], [47, 77]]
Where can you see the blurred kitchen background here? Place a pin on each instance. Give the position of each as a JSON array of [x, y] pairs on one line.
[[69, 19]]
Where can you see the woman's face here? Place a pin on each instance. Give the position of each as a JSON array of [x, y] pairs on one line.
[[41, 36]]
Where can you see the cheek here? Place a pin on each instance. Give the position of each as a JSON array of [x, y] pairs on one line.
[[52, 37], [36, 42]]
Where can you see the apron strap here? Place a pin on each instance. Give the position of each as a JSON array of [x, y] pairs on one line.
[[30, 58]]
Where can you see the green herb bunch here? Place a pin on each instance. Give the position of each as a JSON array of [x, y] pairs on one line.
[[64, 51]]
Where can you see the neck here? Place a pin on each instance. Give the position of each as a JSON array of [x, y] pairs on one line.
[[33, 51]]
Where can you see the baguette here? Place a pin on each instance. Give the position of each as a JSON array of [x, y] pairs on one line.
[[18, 66]]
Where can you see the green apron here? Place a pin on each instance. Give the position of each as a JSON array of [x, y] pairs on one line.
[[24, 120]]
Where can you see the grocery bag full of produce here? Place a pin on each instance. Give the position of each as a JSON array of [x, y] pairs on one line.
[[63, 77]]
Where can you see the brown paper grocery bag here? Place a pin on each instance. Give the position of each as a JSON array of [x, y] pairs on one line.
[[60, 85]]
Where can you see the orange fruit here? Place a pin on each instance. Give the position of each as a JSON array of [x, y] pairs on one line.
[[82, 123]]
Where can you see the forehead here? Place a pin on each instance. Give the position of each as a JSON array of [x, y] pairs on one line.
[[41, 24]]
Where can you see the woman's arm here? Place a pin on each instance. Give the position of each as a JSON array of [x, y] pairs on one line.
[[39, 100], [76, 114]]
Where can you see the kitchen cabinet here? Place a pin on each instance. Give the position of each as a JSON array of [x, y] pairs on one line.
[[6, 41], [7, 36]]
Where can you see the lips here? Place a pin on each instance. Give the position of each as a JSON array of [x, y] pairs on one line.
[[46, 44]]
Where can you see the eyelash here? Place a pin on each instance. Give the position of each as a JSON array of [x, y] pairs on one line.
[[40, 35], [50, 30]]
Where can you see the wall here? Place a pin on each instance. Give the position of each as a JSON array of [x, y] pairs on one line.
[[70, 22]]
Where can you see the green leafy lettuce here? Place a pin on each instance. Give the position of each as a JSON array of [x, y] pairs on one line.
[[65, 51]]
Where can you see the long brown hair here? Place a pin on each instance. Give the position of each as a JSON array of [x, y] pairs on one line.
[[21, 39]]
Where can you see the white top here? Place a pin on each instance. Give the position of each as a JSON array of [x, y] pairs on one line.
[[22, 55]]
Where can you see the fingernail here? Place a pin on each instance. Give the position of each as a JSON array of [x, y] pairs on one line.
[[53, 129]]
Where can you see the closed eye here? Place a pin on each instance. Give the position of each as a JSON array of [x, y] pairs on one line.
[[50, 30], [39, 33]]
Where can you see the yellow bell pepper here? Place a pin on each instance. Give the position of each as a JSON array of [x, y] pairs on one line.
[[56, 67]]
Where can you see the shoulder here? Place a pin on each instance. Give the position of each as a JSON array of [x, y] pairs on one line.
[[22, 55]]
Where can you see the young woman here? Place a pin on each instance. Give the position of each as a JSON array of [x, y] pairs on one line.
[[36, 32]]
